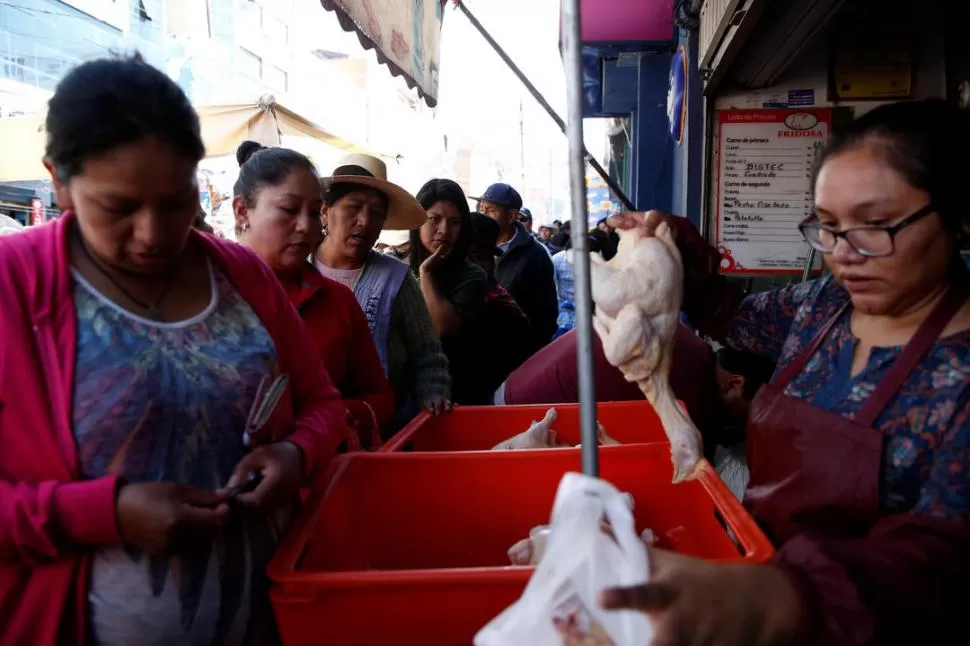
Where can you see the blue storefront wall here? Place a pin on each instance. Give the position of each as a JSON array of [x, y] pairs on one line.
[[620, 83], [653, 148], [631, 78], [688, 157]]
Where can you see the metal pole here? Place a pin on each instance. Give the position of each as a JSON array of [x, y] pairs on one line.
[[617, 190], [572, 50]]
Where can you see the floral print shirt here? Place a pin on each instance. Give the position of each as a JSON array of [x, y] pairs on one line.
[[167, 402], [926, 457]]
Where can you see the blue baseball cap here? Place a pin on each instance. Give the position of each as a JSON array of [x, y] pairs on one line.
[[502, 194]]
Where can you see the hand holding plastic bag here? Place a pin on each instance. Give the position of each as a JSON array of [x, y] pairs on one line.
[[529, 551], [580, 560]]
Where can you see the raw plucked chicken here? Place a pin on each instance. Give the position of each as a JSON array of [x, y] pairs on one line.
[[602, 437], [638, 295], [529, 550], [539, 436]]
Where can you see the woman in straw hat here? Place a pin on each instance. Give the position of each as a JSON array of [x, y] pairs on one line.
[[358, 203], [276, 202]]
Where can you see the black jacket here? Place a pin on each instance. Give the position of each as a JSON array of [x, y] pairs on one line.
[[526, 272]]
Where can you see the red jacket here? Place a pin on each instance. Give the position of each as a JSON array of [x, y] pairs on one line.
[[340, 333], [50, 521]]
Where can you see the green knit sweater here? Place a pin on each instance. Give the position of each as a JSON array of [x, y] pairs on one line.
[[416, 362]]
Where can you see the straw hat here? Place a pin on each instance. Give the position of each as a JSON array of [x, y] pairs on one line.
[[403, 211], [394, 238]]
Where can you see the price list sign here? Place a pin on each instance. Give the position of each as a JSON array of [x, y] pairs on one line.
[[764, 187]]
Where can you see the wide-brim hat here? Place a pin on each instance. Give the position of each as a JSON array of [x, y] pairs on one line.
[[403, 211], [394, 238]]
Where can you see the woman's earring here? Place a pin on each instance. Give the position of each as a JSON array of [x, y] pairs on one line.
[[245, 228]]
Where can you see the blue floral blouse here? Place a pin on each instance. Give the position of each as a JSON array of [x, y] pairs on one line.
[[926, 459]]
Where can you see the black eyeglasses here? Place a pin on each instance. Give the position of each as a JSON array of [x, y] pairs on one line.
[[872, 241]]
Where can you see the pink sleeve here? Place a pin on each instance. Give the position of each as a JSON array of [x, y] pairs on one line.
[[320, 416], [40, 521]]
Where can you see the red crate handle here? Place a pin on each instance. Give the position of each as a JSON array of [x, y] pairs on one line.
[[402, 437], [757, 548]]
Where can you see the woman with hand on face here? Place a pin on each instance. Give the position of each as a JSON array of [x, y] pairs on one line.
[[135, 348], [453, 287], [277, 202], [859, 449], [358, 202]]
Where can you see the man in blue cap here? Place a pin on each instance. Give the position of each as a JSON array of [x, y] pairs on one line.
[[525, 269]]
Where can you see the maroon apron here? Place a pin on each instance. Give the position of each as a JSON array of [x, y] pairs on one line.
[[817, 472]]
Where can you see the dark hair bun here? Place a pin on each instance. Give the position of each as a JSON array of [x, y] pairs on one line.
[[246, 150]]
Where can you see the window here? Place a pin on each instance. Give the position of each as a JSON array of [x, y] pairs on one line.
[[276, 78], [112, 12], [250, 64], [275, 29], [250, 19]]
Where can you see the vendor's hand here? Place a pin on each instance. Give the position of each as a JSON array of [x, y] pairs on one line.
[[281, 466], [646, 222], [159, 517], [696, 603], [437, 405], [435, 260]]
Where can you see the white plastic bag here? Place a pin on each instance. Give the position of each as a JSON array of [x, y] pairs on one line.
[[580, 560]]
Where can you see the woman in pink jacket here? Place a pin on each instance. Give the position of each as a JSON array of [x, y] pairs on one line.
[[133, 351]]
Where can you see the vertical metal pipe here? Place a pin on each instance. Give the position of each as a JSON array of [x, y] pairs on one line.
[[572, 59]]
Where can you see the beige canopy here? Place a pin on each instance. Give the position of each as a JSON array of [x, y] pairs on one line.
[[224, 127]]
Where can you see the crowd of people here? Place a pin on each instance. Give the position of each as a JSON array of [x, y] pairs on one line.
[[165, 393]]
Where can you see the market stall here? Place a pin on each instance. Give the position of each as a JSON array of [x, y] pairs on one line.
[[424, 537]]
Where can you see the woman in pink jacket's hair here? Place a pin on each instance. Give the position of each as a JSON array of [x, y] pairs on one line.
[[134, 350]]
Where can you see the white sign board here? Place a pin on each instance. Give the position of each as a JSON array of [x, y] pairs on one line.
[[764, 187]]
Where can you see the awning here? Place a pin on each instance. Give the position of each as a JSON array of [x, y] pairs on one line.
[[405, 34], [224, 127]]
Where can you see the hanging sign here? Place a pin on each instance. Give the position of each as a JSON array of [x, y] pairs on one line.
[[599, 200], [36, 212], [764, 187], [677, 95]]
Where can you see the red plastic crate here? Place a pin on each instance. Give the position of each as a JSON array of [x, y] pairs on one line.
[[410, 548], [479, 428]]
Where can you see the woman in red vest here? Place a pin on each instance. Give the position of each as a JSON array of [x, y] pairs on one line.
[[277, 206]]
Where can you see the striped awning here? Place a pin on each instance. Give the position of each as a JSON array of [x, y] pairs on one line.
[[404, 34]]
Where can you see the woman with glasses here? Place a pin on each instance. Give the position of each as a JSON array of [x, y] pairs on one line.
[[859, 448]]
